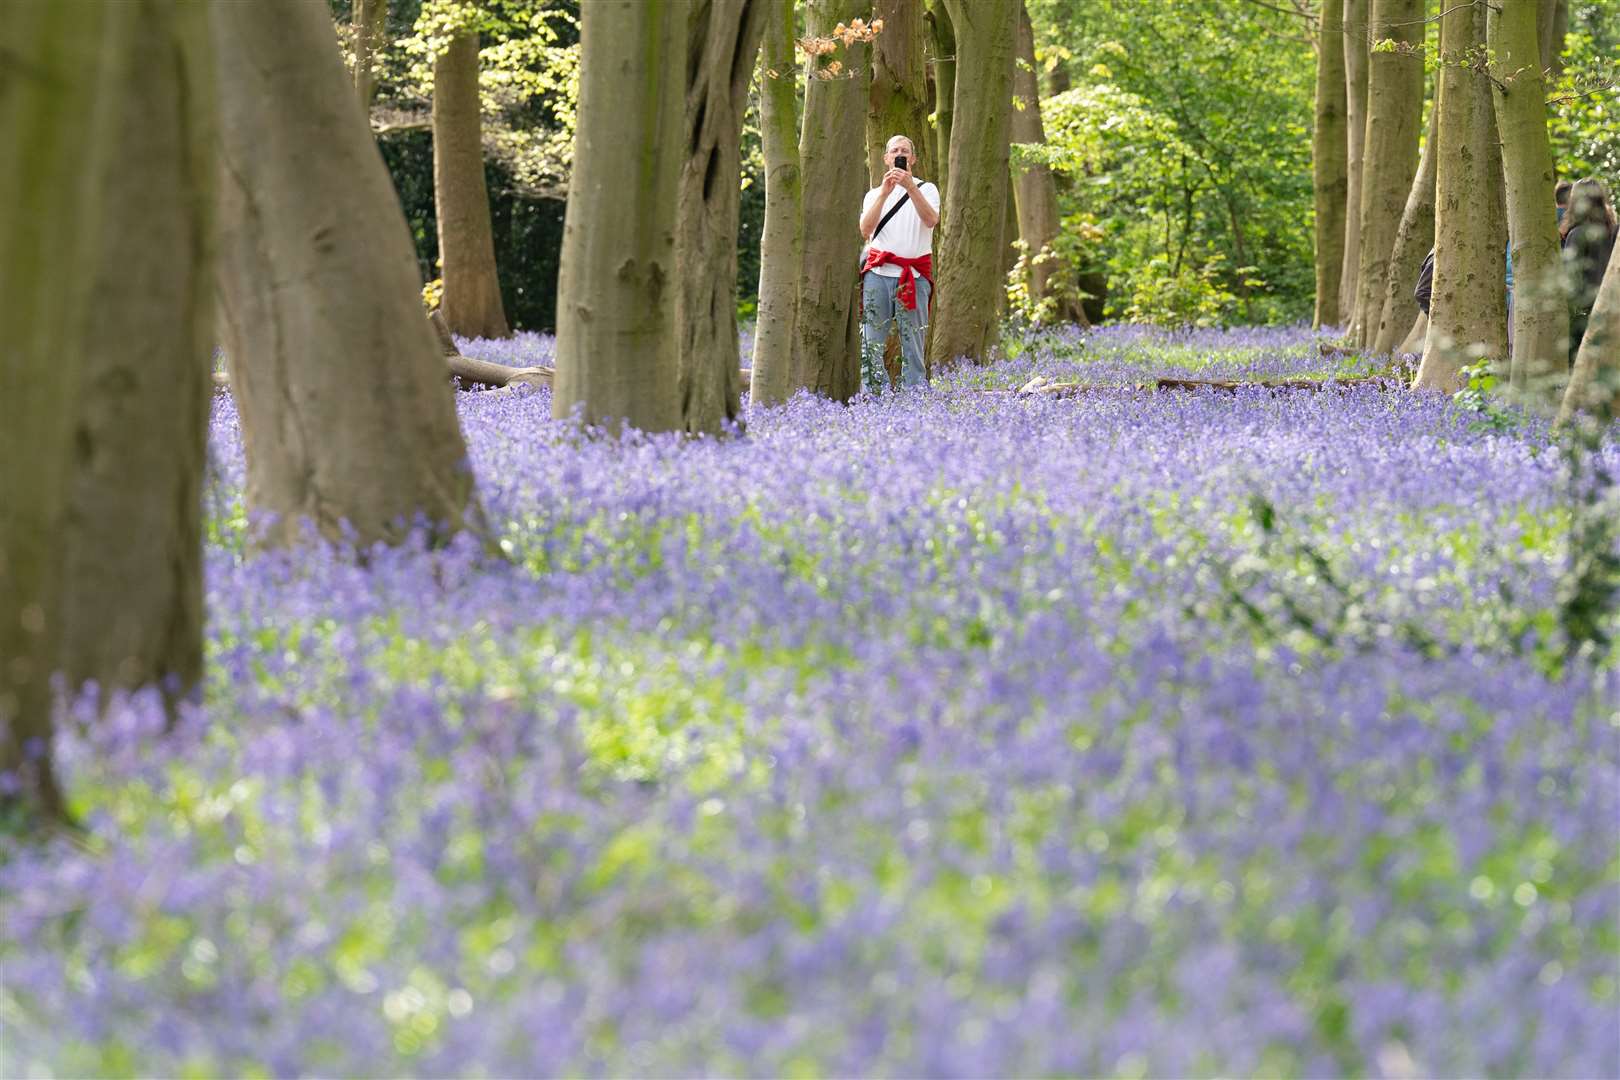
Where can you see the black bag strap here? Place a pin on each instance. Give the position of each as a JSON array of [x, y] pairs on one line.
[[893, 210]]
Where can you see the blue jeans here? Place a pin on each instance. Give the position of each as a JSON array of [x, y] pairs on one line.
[[880, 308]]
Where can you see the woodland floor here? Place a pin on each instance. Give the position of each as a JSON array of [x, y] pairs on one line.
[[957, 733]]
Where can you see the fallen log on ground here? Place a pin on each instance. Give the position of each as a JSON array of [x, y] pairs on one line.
[[483, 373]]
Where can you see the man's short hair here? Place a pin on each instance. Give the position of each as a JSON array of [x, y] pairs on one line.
[[911, 147], [1561, 192]]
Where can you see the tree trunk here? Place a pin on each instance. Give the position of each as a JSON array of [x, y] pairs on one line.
[[1468, 311], [1594, 385], [1355, 130], [1034, 190], [781, 249], [1330, 178], [132, 550], [57, 112], [968, 275], [1394, 117], [897, 101], [1413, 240], [1540, 313], [369, 23], [832, 150], [1412, 343], [319, 293], [942, 37], [1554, 25], [723, 38], [618, 358], [472, 290]]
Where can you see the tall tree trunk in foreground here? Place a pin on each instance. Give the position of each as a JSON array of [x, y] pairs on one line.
[[723, 39], [472, 290], [1594, 385], [133, 590], [781, 250], [618, 358], [1330, 179], [1355, 130], [1413, 240], [969, 264], [897, 101], [1033, 187], [1468, 312], [56, 111], [1540, 312], [348, 419], [942, 38], [369, 24], [1554, 25], [832, 152], [1394, 117]]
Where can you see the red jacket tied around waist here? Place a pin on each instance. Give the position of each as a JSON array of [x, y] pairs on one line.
[[909, 268]]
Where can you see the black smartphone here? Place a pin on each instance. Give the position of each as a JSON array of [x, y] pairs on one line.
[[900, 162]]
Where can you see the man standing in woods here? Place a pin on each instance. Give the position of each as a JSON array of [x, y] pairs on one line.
[[897, 267]]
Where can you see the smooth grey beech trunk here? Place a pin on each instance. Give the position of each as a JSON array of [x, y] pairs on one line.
[[58, 103], [1394, 118], [775, 376], [1413, 239], [1540, 311], [1329, 163], [1554, 25], [368, 23], [723, 39], [1468, 311], [897, 99], [1355, 134], [132, 546], [832, 153], [1034, 189], [943, 37], [348, 419], [472, 289], [1594, 385], [617, 352], [969, 270]]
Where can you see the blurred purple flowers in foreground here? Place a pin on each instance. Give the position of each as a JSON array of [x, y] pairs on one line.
[[915, 737]]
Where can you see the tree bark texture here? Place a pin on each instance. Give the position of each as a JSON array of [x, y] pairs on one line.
[[369, 24], [781, 254], [618, 359], [1355, 129], [1413, 239], [472, 289], [1594, 385], [897, 100], [133, 589], [1468, 311], [1412, 343], [969, 274], [1394, 117], [1554, 25], [942, 39], [1034, 189], [56, 114], [319, 293], [832, 151], [1329, 162], [1540, 314], [723, 39]]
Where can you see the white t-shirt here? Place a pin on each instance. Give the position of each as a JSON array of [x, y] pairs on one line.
[[904, 235]]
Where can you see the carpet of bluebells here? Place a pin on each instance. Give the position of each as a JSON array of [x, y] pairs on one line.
[[957, 733]]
